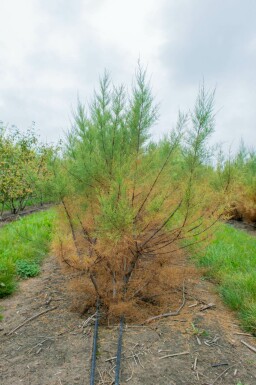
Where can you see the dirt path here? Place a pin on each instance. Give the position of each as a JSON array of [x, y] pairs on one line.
[[247, 227], [7, 217], [55, 348]]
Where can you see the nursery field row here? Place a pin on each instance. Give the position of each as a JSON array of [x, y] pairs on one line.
[[130, 207]]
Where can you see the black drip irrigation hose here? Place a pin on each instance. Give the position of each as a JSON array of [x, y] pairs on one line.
[[94, 346], [119, 351]]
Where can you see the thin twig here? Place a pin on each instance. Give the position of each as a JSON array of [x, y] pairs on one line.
[[102, 380], [129, 378], [193, 305], [174, 355], [221, 374], [212, 341], [249, 346], [195, 363], [110, 359], [30, 319], [138, 358], [91, 318], [130, 356], [163, 351], [172, 313], [208, 306], [40, 343]]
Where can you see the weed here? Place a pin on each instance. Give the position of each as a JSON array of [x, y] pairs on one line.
[[27, 269], [197, 331]]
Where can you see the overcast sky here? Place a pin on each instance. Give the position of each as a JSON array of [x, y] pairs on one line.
[[53, 50]]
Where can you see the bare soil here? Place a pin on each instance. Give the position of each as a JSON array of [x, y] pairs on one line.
[[55, 347], [250, 228], [7, 217]]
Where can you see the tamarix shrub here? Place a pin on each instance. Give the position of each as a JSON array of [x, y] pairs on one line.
[[128, 203]]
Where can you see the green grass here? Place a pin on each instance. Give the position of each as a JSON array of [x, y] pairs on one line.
[[23, 244], [230, 260]]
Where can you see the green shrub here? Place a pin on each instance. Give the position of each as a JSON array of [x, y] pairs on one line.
[[27, 269], [127, 201]]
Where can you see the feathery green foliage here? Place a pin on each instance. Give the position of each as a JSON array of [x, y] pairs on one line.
[[128, 201]]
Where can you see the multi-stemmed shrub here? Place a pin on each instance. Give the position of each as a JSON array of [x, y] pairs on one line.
[[130, 205]]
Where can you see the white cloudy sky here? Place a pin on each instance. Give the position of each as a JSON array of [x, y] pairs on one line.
[[53, 50]]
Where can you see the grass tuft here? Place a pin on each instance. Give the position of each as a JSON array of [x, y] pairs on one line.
[[231, 260]]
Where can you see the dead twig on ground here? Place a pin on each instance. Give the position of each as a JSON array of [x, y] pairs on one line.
[[221, 374], [208, 306], [40, 344], [88, 320], [252, 348], [30, 319], [193, 304], [112, 358], [195, 363], [172, 313], [138, 358], [173, 355], [130, 377], [105, 378], [48, 301], [212, 341]]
